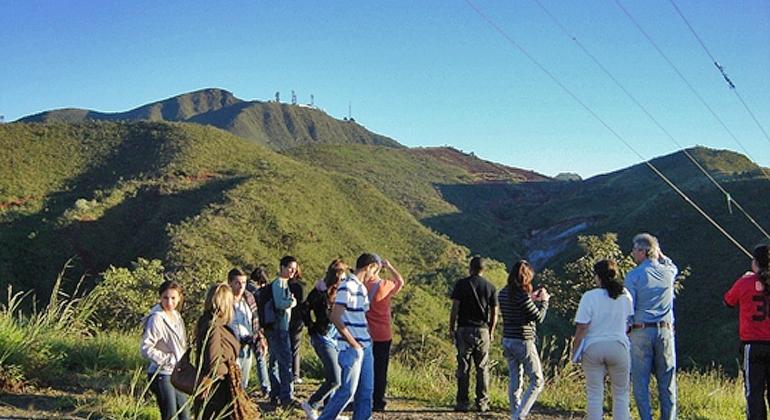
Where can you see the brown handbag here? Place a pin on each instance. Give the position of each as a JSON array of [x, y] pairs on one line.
[[184, 374]]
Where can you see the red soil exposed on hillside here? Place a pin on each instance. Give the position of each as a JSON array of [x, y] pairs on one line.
[[486, 171]]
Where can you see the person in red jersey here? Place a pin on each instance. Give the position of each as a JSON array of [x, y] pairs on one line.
[[751, 294]]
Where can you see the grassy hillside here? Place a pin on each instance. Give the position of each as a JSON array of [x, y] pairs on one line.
[[275, 125], [540, 220], [197, 198]]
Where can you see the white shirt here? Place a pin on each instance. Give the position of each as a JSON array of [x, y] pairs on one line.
[[242, 318], [608, 318]]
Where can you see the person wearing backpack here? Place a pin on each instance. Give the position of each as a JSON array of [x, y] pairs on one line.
[[474, 314], [316, 311], [164, 342], [277, 331]]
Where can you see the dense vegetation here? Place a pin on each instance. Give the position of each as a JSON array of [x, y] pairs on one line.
[[197, 198]]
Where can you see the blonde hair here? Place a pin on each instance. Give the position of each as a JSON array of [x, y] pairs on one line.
[[219, 302]]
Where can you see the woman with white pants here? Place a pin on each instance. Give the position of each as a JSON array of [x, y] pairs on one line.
[[601, 342]]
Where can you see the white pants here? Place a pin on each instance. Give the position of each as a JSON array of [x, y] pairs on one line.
[[599, 359]]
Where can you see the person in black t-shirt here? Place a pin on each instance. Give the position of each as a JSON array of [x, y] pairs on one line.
[[474, 314]]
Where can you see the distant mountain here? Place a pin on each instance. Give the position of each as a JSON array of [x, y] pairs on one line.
[[568, 176], [275, 125]]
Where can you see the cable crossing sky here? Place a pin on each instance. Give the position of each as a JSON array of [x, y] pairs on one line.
[[617, 135]]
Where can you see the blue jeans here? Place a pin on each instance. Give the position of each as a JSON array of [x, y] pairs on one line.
[[245, 358], [281, 384], [169, 399], [522, 357], [327, 353], [357, 375], [264, 379], [653, 352]]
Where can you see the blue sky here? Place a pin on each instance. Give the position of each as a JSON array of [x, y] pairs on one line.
[[426, 73]]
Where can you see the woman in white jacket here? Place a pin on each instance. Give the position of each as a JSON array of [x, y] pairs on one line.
[[163, 343]]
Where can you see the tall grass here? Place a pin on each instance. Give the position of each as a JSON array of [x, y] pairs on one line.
[[708, 394]]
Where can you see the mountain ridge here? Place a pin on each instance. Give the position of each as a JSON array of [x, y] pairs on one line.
[[272, 124]]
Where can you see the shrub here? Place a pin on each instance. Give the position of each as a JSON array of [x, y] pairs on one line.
[[124, 296]]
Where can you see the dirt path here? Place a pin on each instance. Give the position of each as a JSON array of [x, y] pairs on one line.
[[57, 404]]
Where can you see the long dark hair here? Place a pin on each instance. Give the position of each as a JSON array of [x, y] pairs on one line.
[[762, 258], [520, 277], [607, 271], [334, 274], [259, 276]]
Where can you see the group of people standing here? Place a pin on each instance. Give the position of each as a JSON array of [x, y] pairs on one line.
[[626, 331], [249, 320]]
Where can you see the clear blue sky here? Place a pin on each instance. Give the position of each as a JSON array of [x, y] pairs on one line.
[[426, 73]]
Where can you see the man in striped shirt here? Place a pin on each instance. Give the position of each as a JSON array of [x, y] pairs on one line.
[[354, 343]]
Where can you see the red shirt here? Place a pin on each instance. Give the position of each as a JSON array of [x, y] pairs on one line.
[[748, 293], [378, 317]]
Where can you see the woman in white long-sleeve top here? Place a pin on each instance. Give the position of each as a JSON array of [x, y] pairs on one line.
[[163, 343], [601, 342]]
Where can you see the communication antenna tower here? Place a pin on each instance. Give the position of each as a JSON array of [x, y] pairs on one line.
[[350, 112], [312, 100], [278, 97], [293, 98]]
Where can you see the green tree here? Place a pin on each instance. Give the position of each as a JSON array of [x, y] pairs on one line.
[[578, 275], [125, 295]]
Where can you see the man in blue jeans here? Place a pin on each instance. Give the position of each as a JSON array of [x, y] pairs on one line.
[[354, 343], [281, 386], [651, 285]]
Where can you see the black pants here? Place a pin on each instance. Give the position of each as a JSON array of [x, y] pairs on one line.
[[381, 352], [295, 337], [755, 362]]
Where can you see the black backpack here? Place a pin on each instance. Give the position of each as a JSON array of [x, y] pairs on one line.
[[266, 307]]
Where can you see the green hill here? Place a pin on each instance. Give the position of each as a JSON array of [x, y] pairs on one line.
[[275, 125], [507, 218], [196, 197]]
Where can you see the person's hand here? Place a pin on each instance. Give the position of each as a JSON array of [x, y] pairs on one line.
[[386, 264], [357, 346], [544, 296]]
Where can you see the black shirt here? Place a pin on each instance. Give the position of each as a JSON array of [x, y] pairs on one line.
[[295, 322], [475, 307], [317, 312]]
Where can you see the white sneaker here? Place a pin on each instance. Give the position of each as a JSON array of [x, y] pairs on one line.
[[343, 417], [309, 411]]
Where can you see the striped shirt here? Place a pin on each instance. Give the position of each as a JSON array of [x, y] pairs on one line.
[[352, 294], [520, 314]]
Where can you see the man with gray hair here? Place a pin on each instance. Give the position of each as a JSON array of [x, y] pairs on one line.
[[651, 285]]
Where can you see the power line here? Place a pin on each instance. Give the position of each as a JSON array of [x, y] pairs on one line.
[[730, 201], [721, 70], [607, 126], [689, 85]]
